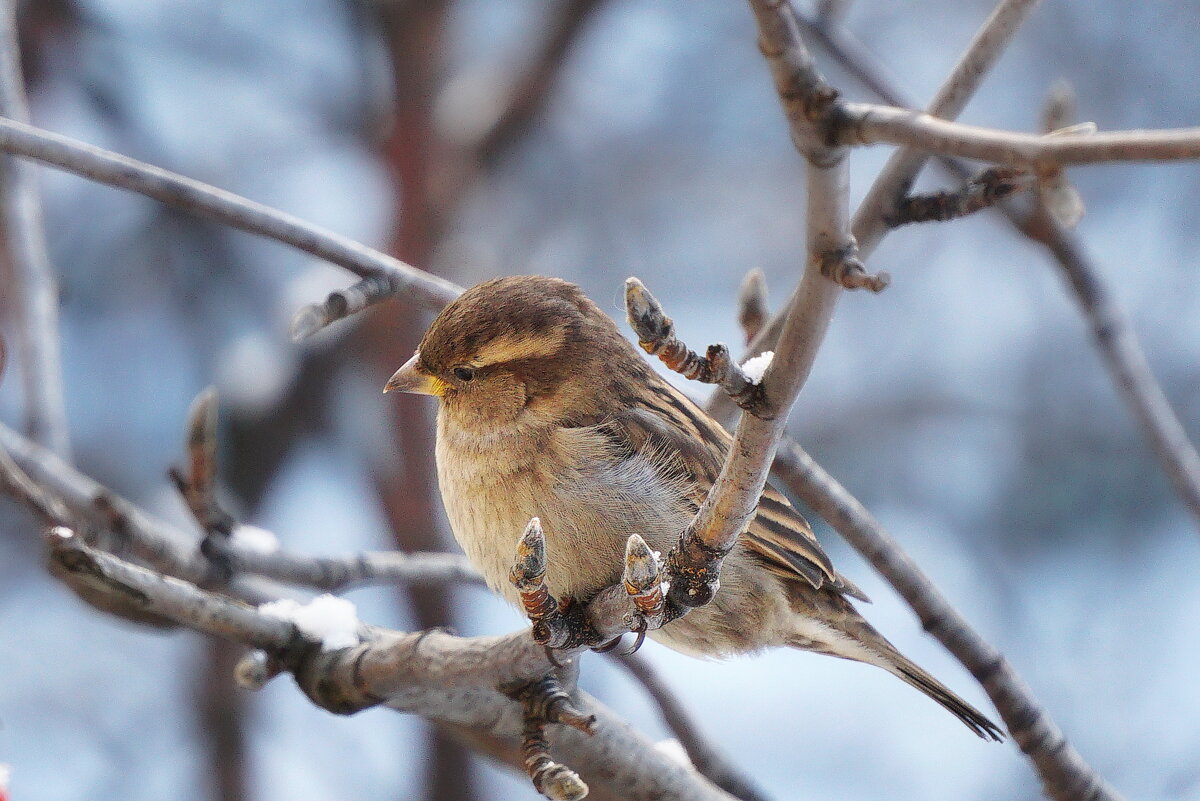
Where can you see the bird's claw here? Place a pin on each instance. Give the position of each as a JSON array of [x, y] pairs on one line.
[[640, 630], [557, 625]]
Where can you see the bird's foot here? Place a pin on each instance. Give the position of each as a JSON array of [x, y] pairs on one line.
[[562, 624], [557, 624], [545, 702]]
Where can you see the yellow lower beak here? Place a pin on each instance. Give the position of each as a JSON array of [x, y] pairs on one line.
[[410, 378]]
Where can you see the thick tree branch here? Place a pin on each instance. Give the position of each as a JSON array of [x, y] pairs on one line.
[[733, 500], [1064, 773], [439, 676], [35, 290]]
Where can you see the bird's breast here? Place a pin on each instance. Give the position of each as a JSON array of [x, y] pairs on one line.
[[589, 504]]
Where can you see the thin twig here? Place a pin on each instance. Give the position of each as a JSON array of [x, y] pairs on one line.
[[1063, 771], [225, 207], [1123, 355], [198, 485], [979, 192], [897, 176], [704, 755], [35, 295], [545, 702], [656, 335], [173, 552]]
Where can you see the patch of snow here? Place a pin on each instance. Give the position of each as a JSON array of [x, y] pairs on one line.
[[255, 539], [755, 367], [331, 620]]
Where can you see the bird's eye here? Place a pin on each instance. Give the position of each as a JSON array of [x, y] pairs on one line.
[[464, 373]]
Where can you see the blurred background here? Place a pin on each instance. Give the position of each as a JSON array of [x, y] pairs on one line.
[[594, 140]]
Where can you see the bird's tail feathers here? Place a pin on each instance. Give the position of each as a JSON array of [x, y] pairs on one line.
[[859, 641]]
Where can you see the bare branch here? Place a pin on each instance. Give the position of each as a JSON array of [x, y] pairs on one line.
[[225, 207], [343, 303], [894, 181], [15, 482], [981, 191], [178, 600], [866, 124], [173, 552], [705, 756], [437, 675], [1118, 344], [960, 86], [1064, 773], [35, 295], [731, 504], [1109, 324]]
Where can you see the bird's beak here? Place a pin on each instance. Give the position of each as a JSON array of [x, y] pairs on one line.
[[410, 378]]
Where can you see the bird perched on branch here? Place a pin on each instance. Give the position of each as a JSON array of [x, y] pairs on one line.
[[547, 410]]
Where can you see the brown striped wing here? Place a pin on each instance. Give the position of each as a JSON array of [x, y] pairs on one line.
[[779, 535]]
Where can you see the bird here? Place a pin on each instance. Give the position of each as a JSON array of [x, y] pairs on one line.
[[545, 409]]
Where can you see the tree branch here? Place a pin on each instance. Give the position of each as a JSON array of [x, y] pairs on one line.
[[896, 178], [979, 192], [694, 564], [866, 124], [704, 755], [1064, 773], [868, 226], [1110, 325], [35, 295], [233, 210], [175, 553], [439, 676], [1122, 353]]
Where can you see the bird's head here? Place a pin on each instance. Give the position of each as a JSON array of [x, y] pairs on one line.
[[517, 344]]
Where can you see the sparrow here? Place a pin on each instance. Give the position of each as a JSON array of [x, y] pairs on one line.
[[546, 410]]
